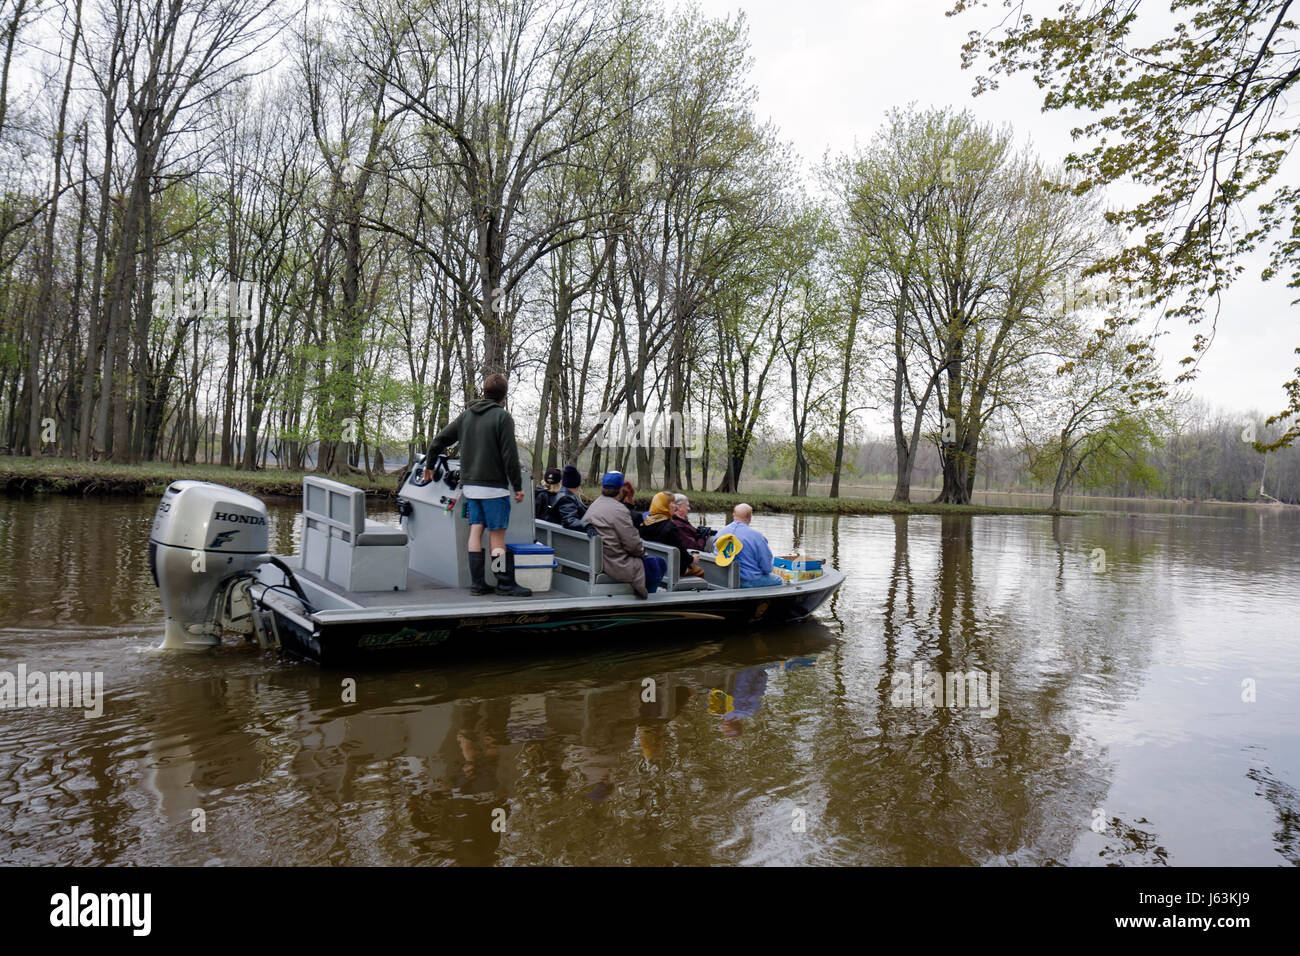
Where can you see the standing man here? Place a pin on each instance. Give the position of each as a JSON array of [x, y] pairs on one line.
[[489, 468], [754, 557]]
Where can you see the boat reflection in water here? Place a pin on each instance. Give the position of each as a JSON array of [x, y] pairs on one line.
[[476, 764]]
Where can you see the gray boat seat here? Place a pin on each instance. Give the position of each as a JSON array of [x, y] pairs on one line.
[[715, 574], [691, 584], [343, 546], [582, 556], [378, 533]]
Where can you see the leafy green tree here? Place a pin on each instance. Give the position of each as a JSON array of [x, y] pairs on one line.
[[1119, 451], [1200, 113], [1104, 413]]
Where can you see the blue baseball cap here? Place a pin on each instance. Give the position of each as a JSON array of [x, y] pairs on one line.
[[612, 479]]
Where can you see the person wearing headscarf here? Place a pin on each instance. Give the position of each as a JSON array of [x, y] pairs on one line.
[[658, 526]]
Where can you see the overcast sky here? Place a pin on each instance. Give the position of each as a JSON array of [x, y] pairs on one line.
[[827, 70]]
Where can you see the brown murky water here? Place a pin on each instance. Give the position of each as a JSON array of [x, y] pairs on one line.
[[1144, 713]]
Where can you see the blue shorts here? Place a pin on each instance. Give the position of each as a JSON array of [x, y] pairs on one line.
[[493, 512], [765, 581]]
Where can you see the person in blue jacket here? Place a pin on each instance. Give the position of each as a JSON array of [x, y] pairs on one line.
[[755, 556]]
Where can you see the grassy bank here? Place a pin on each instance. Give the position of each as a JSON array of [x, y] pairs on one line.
[[64, 476]]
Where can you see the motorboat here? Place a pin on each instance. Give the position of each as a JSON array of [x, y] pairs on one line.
[[364, 591]]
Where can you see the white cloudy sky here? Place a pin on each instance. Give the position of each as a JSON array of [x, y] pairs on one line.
[[827, 70]]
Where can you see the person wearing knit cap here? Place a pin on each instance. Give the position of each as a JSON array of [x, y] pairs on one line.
[[567, 509]]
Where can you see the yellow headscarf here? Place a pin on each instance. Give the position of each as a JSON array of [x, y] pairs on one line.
[[660, 509]]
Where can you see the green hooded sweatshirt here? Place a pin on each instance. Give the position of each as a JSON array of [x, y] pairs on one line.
[[488, 455]]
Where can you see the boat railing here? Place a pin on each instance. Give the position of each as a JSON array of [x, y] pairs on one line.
[[582, 556]]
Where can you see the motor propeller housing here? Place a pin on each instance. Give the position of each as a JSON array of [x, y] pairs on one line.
[[204, 536]]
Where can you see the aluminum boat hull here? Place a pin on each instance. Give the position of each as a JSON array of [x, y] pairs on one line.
[[458, 624]]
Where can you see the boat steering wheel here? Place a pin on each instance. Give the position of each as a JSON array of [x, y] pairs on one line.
[[439, 468]]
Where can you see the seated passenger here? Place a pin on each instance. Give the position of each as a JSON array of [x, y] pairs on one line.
[[754, 557], [567, 509], [658, 526], [697, 539], [624, 555], [544, 497], [626, 494]]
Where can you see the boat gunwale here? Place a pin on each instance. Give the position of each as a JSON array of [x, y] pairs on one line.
[[830, 579]]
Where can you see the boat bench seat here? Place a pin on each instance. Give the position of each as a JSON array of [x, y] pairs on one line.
[[343, 546], [582, 556], [716, 574], [378, 533]]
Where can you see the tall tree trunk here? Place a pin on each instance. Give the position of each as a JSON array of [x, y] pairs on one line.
[[40, 315], [842, 417]]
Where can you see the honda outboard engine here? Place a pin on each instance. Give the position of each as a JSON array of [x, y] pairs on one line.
[[205, 538]]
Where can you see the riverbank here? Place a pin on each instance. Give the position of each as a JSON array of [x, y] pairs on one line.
[[25, 476], [66, 476]]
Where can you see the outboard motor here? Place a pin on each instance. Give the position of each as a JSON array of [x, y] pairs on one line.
[[205, 538]]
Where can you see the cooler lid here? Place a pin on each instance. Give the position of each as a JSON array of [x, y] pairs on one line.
[[520, 548]]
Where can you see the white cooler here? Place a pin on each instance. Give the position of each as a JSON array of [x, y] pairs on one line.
[[533, 565]]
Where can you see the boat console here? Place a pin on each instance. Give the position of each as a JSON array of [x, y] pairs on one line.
[[433, 516]]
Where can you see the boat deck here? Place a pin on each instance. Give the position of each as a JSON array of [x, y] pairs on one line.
[[421, 592]]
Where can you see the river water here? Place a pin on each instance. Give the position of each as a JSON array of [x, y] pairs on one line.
[[1134, 699]]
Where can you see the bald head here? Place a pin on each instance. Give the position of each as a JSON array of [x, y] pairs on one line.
[[742, 512]]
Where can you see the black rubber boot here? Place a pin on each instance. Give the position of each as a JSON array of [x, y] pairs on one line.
[[477, 585], [506, 585]]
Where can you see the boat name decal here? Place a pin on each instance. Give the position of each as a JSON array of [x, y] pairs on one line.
[[505, 619], [406, 637]]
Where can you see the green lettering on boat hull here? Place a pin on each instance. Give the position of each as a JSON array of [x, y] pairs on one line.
[[406, 637]]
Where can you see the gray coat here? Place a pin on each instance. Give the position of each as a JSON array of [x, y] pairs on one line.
[[623, 549]]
